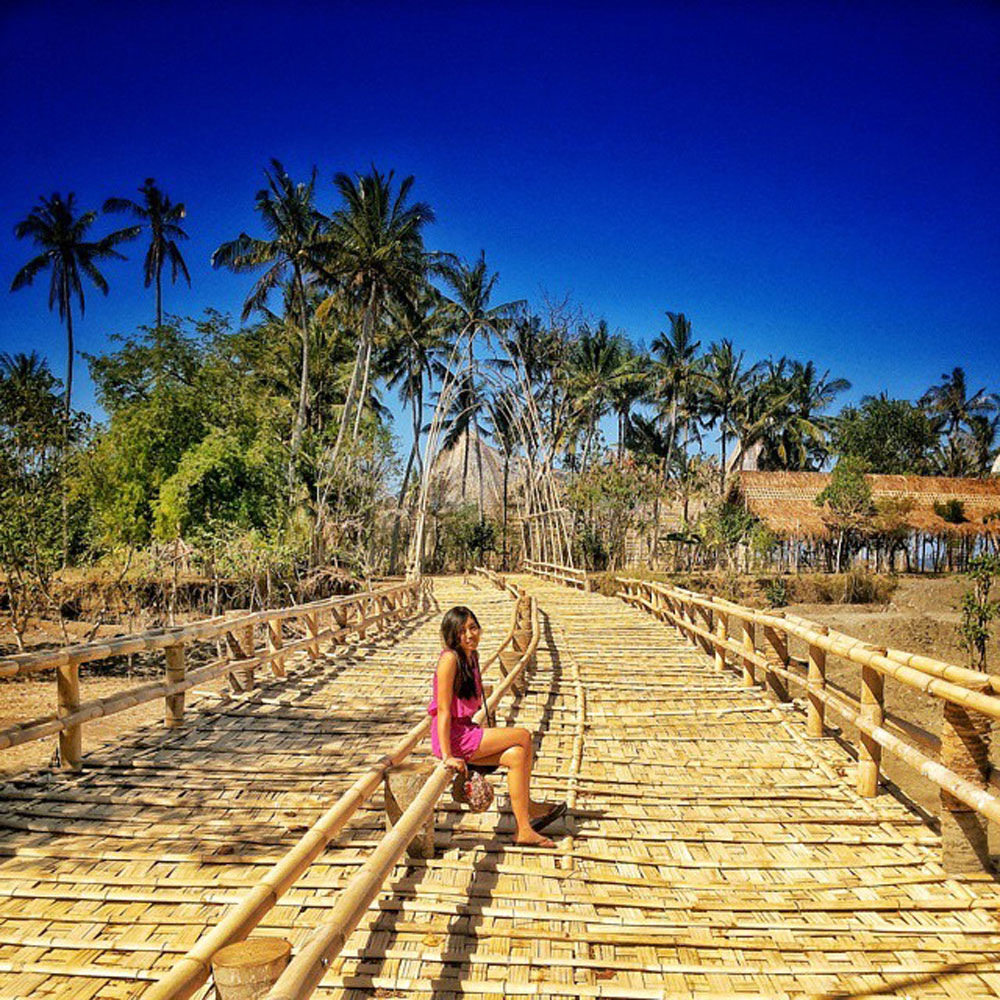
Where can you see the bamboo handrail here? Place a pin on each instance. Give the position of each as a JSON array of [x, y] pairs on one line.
[[190, 972], [942, 680], [68, 721], [562, 574], [22, 664], [307, 968]]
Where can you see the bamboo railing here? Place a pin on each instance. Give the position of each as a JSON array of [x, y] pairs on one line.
[[566, 575], [330, 620], [761, 655], [192, 971]]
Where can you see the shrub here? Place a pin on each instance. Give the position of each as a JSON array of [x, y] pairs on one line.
[[776, 592], [952, 511]]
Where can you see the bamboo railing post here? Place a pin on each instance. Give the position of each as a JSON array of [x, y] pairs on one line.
[[68, 702], [872, 712], [402, 784], [749, 649], [240, 678], [176, 671], [965, 750], [721, 637], [816, 718], [275, 641], [312, 628], [776, 652]]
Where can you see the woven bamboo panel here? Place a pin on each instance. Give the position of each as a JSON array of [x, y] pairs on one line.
[[712, 851]]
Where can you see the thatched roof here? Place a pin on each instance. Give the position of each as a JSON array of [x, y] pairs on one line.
[[449, 466], [784, 501]]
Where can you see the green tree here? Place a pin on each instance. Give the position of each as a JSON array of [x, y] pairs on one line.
[[978, 611], [892, 436], [55, 228], [725, 385], [470, 314], [162, 217], [677, 370], [289, 253], [952, 402], [847, 502], [376, 255], [32, 437]]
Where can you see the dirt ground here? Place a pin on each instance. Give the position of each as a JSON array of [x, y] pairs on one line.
[[921, 617]]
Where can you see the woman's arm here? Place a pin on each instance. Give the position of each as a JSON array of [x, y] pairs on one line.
[[447, 669]]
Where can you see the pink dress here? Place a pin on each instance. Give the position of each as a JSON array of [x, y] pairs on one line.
[[465, 734]]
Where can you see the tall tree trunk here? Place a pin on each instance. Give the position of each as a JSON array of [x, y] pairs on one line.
[[345, 417], [506, 470], [159, 297], [364, 390], [479, 469], [722, 470], [67, 409], [300, 416]]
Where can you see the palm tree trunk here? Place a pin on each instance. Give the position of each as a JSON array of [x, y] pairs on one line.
[[506, 470], [159, 298], [479, 469], [67, 402], [722, 469], [300, 416], [366, 324]]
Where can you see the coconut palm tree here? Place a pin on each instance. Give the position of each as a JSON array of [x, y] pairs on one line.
[[54, 227], [376, 254], [677, 371], [630, 385], [951, 401], [504, 427], [295, 237], [595, 363], [162, 216], [797, 438], [471, 315], [725, 383]]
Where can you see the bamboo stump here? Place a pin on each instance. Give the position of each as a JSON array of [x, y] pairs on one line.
[[248, 969], [403, 784], [965, 749]]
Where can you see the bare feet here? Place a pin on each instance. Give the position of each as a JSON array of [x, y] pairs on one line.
[[532, 839]]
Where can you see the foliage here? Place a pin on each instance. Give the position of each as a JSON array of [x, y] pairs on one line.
[[32, 436], [776, 592], [726, 526], [605, 500], [952, 511], [892, 436], [978, 611]]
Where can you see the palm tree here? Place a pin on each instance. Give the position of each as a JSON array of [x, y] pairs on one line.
[[472, 315], [54, 226], [629, 386], [377, 255], [505, 430], [677, 371], [162, 216], [797, 438], [951, 401], [726, 381], [295, 236], [595, 363]]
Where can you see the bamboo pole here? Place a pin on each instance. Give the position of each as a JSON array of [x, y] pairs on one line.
[[749, 649], [275, 641], [873, 714], [815, 721], [776, 653], [68, 700], [175, 671]]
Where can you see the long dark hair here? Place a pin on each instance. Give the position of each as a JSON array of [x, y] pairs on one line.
[[451, 632]]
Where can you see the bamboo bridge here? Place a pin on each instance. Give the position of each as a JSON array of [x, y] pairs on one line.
[[723, 839]]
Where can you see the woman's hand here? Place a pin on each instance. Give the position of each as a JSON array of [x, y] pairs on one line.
[[455, 764]]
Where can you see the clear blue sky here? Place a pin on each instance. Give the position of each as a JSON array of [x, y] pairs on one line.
[[811, 179]]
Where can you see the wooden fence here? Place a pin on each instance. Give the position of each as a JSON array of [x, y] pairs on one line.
[[757, 644], [279, 633], [566, 575], [310, 964]]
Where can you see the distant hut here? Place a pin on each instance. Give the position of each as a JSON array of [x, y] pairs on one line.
[[925, 522]]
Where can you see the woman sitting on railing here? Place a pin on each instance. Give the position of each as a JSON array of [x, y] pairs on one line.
[[457, 696]]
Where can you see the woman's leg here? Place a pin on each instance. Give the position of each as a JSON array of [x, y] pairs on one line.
[[512, 748]]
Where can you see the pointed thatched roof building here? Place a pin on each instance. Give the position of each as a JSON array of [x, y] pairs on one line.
[[930, 505]]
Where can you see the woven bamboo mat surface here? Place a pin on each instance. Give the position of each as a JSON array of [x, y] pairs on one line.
[[712, 850]]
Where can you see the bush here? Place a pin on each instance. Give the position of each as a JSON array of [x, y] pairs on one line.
[[776, 592], [862, 587]]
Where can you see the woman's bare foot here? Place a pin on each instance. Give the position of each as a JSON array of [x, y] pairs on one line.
[[532, 839]]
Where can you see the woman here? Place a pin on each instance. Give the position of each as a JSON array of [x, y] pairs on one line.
[[458, 695]]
